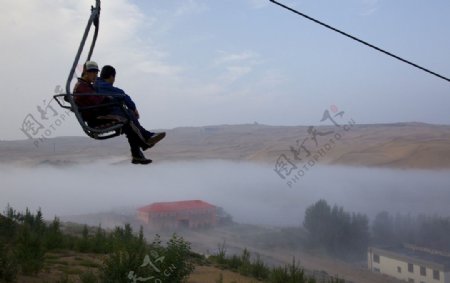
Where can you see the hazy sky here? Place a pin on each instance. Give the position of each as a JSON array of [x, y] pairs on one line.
[[198, 62]]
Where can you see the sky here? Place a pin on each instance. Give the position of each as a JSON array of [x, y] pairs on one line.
[[198, 62]]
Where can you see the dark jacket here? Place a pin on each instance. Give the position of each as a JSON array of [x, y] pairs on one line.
[[83, 86], [102, 86]]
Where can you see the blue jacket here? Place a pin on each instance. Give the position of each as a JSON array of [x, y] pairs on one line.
[[102, 86]]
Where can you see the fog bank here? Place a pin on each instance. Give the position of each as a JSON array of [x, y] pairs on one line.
[[251, 193]]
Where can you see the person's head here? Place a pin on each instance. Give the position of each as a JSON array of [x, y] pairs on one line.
[[108, 73], [90, 71]]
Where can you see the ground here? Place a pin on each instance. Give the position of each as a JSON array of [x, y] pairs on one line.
[[210, 274], [73, 264]]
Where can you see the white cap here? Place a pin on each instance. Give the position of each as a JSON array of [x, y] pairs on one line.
[[91, 66]]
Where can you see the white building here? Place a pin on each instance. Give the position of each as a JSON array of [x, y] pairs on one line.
[[411, 266]]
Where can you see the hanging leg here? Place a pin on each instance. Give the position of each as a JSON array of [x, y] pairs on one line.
[[137, 157]]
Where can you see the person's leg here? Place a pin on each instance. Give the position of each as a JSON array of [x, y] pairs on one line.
[[135, 146], [129, 115], [148, 138]]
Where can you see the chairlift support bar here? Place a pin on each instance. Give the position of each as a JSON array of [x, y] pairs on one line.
[[93, 19], [104, 133]]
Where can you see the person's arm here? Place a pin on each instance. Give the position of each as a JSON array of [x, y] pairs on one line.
[[106, 88], [127, 99], [130, 103]]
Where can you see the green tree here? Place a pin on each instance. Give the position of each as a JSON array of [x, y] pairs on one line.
[[126, 258], [54, 236], [338, 231], [100, 242], [29, 250], [383, 228], [84, 243], [318, 222], [8, 263], [360, 233], [177, 264]]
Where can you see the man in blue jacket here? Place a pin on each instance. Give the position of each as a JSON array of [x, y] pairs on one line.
[[138, 137]]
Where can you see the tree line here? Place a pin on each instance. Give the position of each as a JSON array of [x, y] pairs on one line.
[[346, 234], [430, 232], [341, 233], [25, 238]]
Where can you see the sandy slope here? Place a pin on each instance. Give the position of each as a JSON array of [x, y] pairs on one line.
[[401, 145]]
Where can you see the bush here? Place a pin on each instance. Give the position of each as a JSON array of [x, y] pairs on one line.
[[289, 273], [245, 265], [8, 264], [133, 258], [259, 270]]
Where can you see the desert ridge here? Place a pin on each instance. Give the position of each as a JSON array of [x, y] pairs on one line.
[[398, 145]]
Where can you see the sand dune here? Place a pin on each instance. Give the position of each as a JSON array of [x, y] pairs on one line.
[[400, 145]]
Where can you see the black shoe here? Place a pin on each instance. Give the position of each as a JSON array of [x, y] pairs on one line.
[[140, 160], [155, 138]]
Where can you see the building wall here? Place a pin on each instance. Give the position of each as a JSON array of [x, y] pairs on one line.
[[194, 217], [399, 269], [143, 216]]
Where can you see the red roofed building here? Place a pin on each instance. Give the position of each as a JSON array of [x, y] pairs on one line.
[[190, 214]]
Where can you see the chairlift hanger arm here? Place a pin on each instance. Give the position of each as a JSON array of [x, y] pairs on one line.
[[94, 19]]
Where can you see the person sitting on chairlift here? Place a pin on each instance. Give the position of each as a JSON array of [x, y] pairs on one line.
[[138, 137]]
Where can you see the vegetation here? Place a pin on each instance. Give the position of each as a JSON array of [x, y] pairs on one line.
[[28, 245], [424, 231], [25, 239], [339, 232], [257, 269]]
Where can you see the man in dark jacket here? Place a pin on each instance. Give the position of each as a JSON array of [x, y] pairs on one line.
[[138, 137], [85, 85]]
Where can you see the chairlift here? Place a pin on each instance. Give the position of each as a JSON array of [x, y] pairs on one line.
[[108, 128]]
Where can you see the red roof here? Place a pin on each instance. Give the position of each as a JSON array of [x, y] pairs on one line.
[[175, 206]]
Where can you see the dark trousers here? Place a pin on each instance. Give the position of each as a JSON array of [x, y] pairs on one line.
[[136, 135]]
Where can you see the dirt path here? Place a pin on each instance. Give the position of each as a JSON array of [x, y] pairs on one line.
[[206, 242]]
